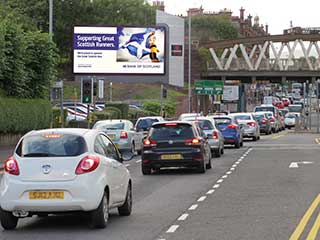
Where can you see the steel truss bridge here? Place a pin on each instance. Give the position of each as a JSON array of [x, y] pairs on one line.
[[274, 57]]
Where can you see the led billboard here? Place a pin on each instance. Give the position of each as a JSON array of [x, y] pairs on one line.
[[119, 50]]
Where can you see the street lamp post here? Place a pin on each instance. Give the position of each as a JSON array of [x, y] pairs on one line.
[[50, 18], [189, 66]]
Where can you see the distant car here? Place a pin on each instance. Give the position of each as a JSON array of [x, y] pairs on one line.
[[64, 171], [291, 119], [187, 115], [264, 122], [295, 108], [286, 101], [215, 137], [175, 144], [275, 116], [275, 124], [278, 104], [251, 128], [143, 124], [122, 133], [230, 129]]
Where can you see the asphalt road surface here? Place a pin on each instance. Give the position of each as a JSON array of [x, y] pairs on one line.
[[266, 190]]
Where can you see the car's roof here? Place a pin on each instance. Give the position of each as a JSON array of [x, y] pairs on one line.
[[240, 113], [75, 131], [266, 105], [112, 121], [150, 117], [173, 122]]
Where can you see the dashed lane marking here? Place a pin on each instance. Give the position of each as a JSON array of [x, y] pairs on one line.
[[216, 186], [210, 191], [229, 172], [232, 169], [127, 165], [224, 176], [183, 217], [172, 229], [138, 161], [201, 199], [276, 137], [317, 140], [220, 181], [193, 207]]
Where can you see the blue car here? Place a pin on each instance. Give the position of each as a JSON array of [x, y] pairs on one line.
[[230, 129]]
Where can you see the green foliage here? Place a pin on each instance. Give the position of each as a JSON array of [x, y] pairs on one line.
[[79, 124], [154, 107], [23, 115], [205, 56], [134, 114], [213, 28], [56, 114], [108, 113], [169, 109], [123, 107]]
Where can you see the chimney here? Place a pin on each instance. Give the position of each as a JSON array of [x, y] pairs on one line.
[[267, 28], [250, 20], [242, 14]]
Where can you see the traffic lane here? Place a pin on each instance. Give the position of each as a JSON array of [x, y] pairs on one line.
[[157, 199], [262, 199]]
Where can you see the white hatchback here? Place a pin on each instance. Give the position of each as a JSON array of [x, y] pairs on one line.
[[57, 171]]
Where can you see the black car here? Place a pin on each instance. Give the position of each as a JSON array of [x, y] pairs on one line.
[[175, 144]]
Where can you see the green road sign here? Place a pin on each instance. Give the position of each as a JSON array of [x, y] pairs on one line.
[[209, 87]]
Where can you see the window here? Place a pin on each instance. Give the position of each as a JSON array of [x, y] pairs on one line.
[[98, 146], [177, 132], [109, 148]]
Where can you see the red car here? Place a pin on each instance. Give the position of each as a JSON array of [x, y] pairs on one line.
[[278, 104], [286, 101]]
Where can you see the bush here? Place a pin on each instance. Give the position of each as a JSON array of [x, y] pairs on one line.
[[102, 115], [169, 109], [23, 115], [56, 117], [123, 107], [79, 124], [154, 107]]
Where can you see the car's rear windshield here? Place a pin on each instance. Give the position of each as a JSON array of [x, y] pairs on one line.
[[109, 126], [145, 124], [52, 145], [242, 117], [259, 116], [264, 109], [204, 124], [171, 131], [290, 115], [222, 121]]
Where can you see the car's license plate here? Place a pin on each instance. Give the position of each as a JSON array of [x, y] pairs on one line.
[[44, 195], [171, 156], [111, 136]]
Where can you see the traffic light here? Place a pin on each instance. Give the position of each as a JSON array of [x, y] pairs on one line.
[[164, 93], [86, 91], [95, 88]]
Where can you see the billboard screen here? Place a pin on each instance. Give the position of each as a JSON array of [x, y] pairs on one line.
[[119, 50]]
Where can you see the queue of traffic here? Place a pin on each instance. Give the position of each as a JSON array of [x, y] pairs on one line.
[[52, 170]]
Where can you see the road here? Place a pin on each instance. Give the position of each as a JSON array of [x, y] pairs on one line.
[[267, 190]]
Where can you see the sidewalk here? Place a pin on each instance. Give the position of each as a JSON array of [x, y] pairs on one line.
[[5, 152]]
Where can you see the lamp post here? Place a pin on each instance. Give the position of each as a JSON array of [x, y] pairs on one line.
[[50, 18], [189, 66]]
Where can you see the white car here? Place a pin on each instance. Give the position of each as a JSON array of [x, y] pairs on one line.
[[250, 127], [64, 171]]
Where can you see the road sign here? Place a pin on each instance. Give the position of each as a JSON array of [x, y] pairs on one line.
[[209, 87]]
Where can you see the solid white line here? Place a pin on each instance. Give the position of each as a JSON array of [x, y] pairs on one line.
[[224, 176], [183, 217], [201, 199], [220, 181], [138, 161], [172, 229], [193, 207], [228, 172], [216, 186], [210, 191]]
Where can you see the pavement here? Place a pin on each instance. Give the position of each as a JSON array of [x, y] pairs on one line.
[[266, 190]]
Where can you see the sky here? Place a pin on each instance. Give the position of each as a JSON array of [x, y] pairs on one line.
[[276, 13]]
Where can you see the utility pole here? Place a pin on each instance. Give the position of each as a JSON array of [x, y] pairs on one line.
[[318, 108], [50, 18], [189, 67], [110, 91], [304, 105]]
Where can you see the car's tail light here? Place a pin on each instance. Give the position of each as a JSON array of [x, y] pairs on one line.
[[171, 124], [282, 118], [193, 141], [272, 120], [88, 164], [215, 135], [123, 134], [276, 115], [263, 121], [232, 126], [251, 124], [149, 143], [11, 166]]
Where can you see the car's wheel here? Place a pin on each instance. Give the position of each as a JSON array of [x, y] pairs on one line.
[[133, 149], [217, 153], [254, 138], [222, 151], [208, 165], [146, 170], [237, 145], [100, 216], [8, 221], [241, 144], [202, 168], [126, 208]]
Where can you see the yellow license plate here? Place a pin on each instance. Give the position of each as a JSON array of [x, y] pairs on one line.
[[111, 136], [44, 195], [171, 156]]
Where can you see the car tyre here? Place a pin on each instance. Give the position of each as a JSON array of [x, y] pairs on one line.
[[237, 145], [100, 216], [202, 168], [217, 153], [241, 144], [254, 138], [208, 165], [126, 208], [133, 150], [8, 221], [222, 151], [146, 170]]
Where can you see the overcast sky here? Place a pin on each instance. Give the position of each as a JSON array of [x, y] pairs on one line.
[[277, 13]]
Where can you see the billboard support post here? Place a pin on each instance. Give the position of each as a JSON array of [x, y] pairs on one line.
[[110, 91]]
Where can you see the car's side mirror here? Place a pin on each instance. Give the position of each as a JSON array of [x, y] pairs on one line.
[[127, 156]]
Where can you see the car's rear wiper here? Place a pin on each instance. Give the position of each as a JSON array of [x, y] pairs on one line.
[[37, 154]]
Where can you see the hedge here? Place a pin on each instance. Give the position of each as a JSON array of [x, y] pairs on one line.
[[124, 108], [23, 115]]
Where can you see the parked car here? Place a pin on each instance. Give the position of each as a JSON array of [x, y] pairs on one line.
[[230, 129], [215, 137], [122, 133], [250, 127], [264, 122], [64, 171], [175, 144], [144, 124], [291, 119]]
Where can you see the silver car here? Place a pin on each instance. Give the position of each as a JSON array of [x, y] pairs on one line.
[[215, 138], [249, 125], [122, 134]]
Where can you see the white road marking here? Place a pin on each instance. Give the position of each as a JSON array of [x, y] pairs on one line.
[[210, 191], [138, 161], [127, 165], [193, 207], [241, 158], [220, 181], [234, 165], [228, 172], [232, 169], [172, 229], [201, 199], [224, 176], [216, 186], [183, 217], [293, 165]]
